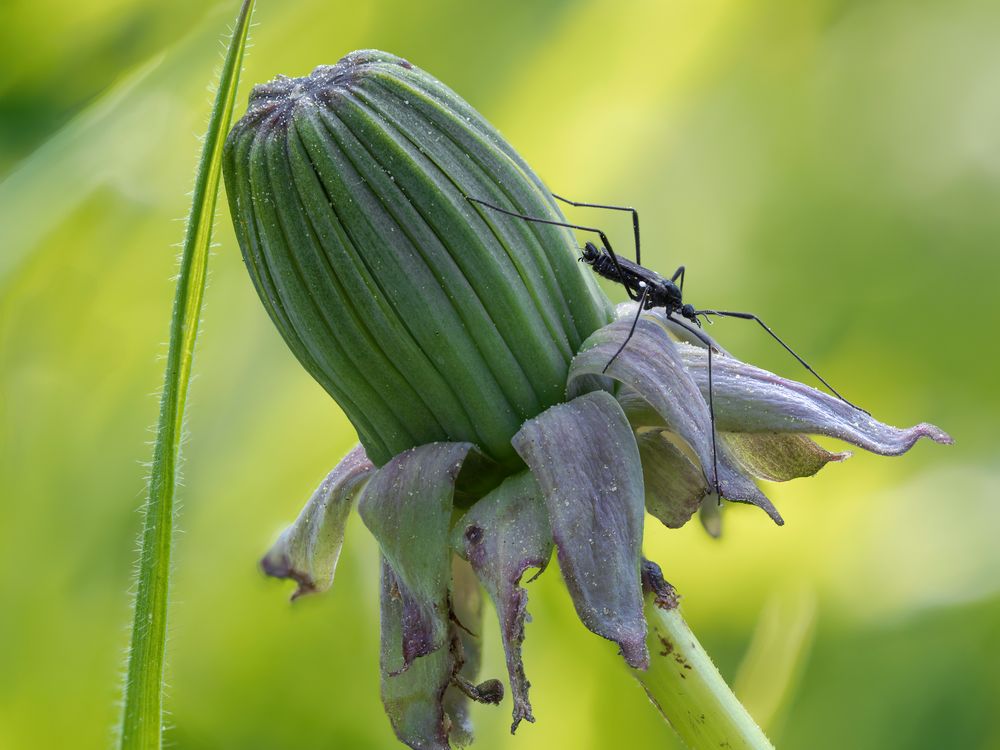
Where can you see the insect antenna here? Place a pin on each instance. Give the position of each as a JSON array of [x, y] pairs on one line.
[[551, 222]]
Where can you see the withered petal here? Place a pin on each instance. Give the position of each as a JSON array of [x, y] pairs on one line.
[[414, 699], [778, 457], [308, 550], [467, 616], [738, 487], [407, 506], [674, 484], [651, 367], [584, 456], [675, 488], [749, 399], [710, 515], [502, 536]]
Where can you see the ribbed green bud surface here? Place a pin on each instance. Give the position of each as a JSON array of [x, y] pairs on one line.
[[426, 317]]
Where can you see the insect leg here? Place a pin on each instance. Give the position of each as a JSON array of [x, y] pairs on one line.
[[600, 233], [635, 217], [635, 322], [679, 274], [751, 316], [711, 416], [711, 401]]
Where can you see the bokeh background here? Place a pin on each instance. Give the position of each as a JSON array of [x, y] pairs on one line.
[[833, 166]]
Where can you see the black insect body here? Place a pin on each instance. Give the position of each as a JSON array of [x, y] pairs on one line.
[[652, 291], [636, 279], [649, 288], [646, 287]]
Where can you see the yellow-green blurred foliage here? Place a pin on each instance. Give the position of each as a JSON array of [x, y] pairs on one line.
[[832, 166]]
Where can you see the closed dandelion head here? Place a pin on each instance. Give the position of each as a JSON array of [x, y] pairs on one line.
[[471, 352]]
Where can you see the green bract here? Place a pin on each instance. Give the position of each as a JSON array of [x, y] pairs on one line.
[[424, 320], [500, 418]]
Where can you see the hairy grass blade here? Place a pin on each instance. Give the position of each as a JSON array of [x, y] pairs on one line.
[[141, 725]]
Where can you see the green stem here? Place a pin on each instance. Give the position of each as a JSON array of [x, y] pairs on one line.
[[141, 725], [684, 684]]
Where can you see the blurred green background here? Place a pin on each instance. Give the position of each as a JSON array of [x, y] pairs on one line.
[[832, 166]]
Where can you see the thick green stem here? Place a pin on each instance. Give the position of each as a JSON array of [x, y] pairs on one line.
[[141, 725], [684, 684]]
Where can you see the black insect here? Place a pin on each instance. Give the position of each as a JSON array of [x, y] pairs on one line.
[[651, 290]]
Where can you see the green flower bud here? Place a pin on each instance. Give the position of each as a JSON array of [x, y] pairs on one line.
[[427, 318]]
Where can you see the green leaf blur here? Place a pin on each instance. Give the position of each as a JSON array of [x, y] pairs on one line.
[[832, 166]]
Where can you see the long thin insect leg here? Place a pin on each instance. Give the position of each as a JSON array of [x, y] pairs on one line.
[[635, 322], [711, 400], [635, 217], [679, 274], [751, 316], [711, 414], [600, 233]]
